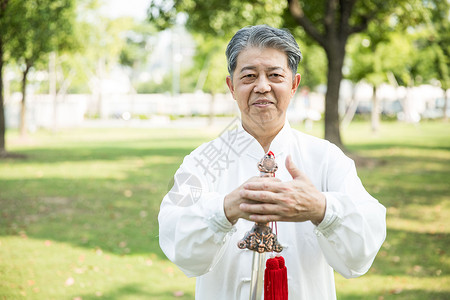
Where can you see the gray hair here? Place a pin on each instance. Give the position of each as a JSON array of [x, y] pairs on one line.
[[263, 36]]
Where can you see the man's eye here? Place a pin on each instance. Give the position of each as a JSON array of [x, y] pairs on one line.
[[248, 77]]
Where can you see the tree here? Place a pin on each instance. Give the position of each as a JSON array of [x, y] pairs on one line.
[[328, 22], [135, 52], [331, 24], [104, 41], [437, 40], [3, 39], [373, 56], [38, 27], [210, 59]]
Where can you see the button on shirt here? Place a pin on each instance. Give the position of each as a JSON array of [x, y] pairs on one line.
[[195, 234]]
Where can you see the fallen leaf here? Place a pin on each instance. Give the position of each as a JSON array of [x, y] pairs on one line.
[[178, 293], [396, 291], [69, 281], [396, 259], [417, 268], [128, 193]]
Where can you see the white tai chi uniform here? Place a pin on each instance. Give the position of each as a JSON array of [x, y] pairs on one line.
[[195, 234]]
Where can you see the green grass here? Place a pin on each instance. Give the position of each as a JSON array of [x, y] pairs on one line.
[[78, 216]]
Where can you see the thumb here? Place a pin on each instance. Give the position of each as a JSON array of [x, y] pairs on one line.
[[292, 168]]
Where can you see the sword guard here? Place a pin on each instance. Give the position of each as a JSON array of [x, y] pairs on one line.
[[260, 239]]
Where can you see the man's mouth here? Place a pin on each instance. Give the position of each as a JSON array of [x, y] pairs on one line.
[[262, 103]]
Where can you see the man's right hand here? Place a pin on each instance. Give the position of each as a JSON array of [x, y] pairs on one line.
[[233, 200]]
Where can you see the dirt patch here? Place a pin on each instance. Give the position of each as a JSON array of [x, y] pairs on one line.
[[366, 162], [55, 200], [11, 155]]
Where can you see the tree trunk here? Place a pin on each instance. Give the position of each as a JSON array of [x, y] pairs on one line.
[[2, 110], [52, 88], [211, 109], [100, 74], [23, 121], [375, 115], [332, 124], [445, 105]]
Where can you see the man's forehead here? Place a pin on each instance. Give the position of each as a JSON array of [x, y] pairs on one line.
[[266, 68], [254, 57]]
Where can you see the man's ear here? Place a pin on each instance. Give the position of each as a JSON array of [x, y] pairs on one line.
[[295, 83], [230, 85]]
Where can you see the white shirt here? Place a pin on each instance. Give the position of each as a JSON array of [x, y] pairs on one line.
[[195, 234]]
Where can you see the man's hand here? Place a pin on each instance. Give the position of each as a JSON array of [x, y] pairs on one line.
[[272, 200], [233, 200]]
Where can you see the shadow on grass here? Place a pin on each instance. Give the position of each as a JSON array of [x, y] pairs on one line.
[[406, 180], [118, 215], [399, 295], [137, 292], [409, 146], [414, 254], [54, 156]]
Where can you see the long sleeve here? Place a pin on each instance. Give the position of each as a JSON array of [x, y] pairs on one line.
[[192, 225], [354, 226]]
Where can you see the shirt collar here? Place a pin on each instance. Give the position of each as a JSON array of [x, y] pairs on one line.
[[282, 140], [278, 146]]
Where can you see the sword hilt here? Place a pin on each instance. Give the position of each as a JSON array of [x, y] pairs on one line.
[[261, 238]]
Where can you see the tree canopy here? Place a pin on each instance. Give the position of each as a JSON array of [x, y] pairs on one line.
[[32, 29], [329, 23]]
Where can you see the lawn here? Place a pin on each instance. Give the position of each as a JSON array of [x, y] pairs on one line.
[[78, 215]]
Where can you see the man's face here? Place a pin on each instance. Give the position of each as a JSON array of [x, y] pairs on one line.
[[263, 86]]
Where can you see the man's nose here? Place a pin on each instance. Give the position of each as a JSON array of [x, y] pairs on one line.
[[262, 85]]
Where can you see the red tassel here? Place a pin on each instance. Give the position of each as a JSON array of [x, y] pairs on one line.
[[275, 279]]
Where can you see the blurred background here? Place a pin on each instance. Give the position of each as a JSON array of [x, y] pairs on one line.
[[150, 63], [101, 100]]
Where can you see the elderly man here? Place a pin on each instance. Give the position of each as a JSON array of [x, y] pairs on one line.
[[326, 219]]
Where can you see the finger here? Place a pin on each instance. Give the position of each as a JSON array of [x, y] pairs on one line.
[[263, 179], [270, 186], [261, 196], [265, 218], [259, 209], [292, 169]]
